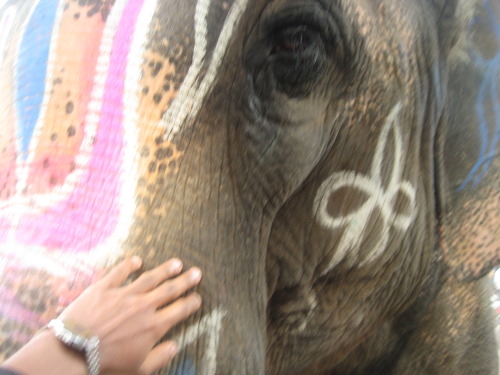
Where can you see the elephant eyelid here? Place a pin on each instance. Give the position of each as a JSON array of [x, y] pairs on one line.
[[328, 21]]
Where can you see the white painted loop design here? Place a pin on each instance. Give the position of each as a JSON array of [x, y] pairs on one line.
[[355, 223]]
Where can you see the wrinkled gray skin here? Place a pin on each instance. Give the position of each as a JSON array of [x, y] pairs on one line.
[[309, 94], [303, 92]]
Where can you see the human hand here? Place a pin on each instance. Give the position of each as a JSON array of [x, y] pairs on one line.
[[128, 319]]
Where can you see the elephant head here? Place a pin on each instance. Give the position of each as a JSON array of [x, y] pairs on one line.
[[331, 166]]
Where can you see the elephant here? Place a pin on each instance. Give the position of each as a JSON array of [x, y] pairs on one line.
[[331, 165]]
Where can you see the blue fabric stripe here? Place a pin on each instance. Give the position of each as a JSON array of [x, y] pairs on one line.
[[487, 92], [186, 367]]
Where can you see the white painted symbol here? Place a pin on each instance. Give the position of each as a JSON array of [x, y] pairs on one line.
[[383, 199], [188, 101], [209, 325], [6, 22]]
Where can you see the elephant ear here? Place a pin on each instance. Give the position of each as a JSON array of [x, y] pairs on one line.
[[470, 237]]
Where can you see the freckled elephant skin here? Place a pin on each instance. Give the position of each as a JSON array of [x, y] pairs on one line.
[[331, 165]]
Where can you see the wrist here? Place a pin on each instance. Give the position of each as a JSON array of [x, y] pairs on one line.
[[79, 340], [45, 354]]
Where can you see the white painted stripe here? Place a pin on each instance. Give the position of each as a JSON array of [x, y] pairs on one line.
[[378, 158], [96, 97], [209, 325], [188, 101], [38, 258], [6, 21], [129, 175], [7, 117], [184, 100]]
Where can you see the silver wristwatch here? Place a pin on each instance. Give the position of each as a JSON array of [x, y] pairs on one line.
[[86, 344]]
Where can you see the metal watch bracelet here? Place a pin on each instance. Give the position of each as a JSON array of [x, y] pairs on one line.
[[88, 346]]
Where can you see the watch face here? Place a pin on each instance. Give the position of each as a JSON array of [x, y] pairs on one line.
[[77, 330]]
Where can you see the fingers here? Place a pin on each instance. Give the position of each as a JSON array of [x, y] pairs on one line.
[[178, 311], [168, 317], [172, 289], [119, 273], [151, 279], [159, 357]]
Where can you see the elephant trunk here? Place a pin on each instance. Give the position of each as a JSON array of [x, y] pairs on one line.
[[193, 212]]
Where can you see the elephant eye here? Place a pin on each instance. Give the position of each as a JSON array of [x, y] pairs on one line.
[[297, 56], [292, 39]]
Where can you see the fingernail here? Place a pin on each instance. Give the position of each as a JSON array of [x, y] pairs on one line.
[[136, 261], [171, 349], [195, 274], [176, 265], [197, 299]]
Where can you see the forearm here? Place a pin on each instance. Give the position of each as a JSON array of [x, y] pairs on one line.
[[45, 354]]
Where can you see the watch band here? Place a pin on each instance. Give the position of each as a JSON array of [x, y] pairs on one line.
[[88, 346]]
